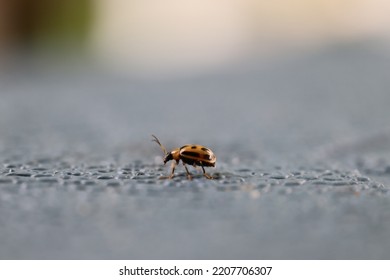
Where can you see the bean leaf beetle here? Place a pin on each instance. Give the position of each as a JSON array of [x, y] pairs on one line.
[[195, 155]]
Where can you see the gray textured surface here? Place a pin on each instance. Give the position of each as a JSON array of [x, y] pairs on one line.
[[303, 168]]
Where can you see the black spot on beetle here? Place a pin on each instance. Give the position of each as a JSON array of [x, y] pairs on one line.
[[200, 162], [185, 146], [193, 147], [205, 149], [190, 161], [191, 154]]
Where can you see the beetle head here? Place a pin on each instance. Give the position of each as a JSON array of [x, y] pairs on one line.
[[168, 157]]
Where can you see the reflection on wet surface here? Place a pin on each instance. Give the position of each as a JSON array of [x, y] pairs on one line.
[[59, 210]]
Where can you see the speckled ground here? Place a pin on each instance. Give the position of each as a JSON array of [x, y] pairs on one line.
[[303, 162]]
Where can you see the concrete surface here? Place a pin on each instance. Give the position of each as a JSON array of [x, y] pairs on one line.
[[303, 162]]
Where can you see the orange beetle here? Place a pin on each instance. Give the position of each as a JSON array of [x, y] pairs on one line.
[[195, 155]]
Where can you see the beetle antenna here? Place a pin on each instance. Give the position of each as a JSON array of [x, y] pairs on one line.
[[158, 142]]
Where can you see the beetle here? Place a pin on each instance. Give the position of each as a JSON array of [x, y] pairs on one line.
[[195, 155]]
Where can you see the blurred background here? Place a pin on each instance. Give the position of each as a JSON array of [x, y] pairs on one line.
[[174, 38], [81, 70]]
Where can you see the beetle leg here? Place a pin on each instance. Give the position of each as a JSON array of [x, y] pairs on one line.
[[205, 174], [189, 176], [173, 165]]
